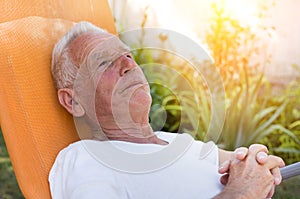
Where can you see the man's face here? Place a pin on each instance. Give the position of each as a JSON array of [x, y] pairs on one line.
[[122, 94]]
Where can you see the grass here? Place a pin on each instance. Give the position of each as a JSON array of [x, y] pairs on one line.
[[289, 189]]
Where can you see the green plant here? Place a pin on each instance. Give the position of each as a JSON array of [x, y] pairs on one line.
[[285, 145], [254, 114], [288, 189], [170, 91], [250, 117], [251, 114]]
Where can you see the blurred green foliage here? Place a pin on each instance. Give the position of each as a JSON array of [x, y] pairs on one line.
[[255, 113], [288, 189], [285, 142]]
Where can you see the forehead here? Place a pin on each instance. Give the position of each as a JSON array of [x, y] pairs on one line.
[[81, 46]]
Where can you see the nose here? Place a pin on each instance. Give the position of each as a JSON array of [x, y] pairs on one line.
[[127, 63]]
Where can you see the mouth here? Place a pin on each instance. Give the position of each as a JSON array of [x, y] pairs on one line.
[[134, 86], [132, 81]]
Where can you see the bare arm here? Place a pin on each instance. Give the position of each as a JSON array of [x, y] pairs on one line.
[[230, 193], [225, 155]]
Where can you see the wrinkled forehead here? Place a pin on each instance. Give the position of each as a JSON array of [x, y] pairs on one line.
[[96, 47]]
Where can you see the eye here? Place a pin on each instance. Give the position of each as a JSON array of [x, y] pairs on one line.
[[102, 63]]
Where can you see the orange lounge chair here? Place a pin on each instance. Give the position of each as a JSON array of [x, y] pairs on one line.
[[34, 125]]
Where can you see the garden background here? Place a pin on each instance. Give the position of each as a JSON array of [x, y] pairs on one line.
[[255, 46]]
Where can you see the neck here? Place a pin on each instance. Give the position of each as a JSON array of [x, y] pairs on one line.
[[142, 134]]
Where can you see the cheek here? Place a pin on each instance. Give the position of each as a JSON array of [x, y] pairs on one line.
[[103, 96], [102, 99]]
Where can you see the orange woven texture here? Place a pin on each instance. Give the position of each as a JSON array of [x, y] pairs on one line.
[[34, 125], [95, 11]]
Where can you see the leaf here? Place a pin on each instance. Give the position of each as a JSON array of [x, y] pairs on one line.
[[260, 115], [294, 124], [168, 100], [279, 127], [192, 116], [4, 160], [174, 126], [173, 107], [286, 150], [267, 123]]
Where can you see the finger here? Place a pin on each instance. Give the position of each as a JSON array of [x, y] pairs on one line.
[[224, 179], [274, 161], [271, 193], [240, 153], [277, 175], [255, 148], [224, 167], [262, 157]]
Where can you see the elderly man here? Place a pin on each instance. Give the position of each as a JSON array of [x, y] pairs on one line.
[[99, 83]]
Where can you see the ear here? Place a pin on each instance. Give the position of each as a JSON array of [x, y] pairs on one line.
[[65, 97]]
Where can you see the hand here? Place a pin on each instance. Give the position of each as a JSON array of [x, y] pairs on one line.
[[240, 154], [271, 162], [249, 178]]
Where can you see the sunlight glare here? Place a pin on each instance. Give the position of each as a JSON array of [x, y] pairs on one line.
[[245, 11], [169, 18], [167, 15]]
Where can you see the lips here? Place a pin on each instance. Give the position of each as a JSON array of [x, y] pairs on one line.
[[134, 86], [133, 80]]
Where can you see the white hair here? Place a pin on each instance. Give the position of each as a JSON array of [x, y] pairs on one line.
[[63, 69]]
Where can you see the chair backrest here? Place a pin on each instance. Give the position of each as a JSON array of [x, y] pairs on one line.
[[34, 125]]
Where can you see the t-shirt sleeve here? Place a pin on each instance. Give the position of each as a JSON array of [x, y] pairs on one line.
[[76, 175]]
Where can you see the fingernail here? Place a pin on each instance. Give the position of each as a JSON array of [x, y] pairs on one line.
[[240, 153], [222, 166], [277, 180], [262, 155]]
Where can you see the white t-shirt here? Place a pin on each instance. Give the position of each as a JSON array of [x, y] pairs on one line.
[[77, 174]]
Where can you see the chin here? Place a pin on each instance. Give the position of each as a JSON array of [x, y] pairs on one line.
[[140, 104], [141, 97]]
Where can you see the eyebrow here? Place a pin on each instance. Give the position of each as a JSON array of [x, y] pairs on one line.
[[125, 47]]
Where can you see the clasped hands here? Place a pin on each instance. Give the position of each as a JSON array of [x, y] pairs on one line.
[[251, 173]]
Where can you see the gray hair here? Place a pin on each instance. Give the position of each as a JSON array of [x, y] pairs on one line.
[[63, 69]]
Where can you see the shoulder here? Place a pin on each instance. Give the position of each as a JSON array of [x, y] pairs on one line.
[[75, 157], [73, 152], [75, 169], [76, 161], [203, 151]]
